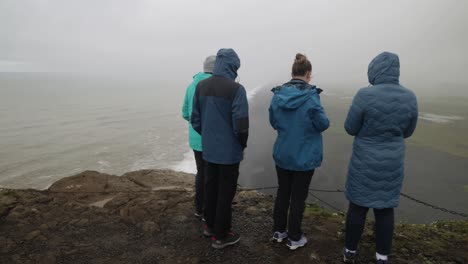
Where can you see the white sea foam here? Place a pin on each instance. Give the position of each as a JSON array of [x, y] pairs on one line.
[[253, 92], [148, 162], [47, 176], [188, 164], [325, 93], [441, 119], [46, 187], [104, 164]]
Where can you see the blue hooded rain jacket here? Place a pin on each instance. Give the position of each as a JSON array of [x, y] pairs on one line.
[[221, 112], [299, 118]]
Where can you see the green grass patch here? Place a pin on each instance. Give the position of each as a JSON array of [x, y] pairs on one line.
[[316, 210]]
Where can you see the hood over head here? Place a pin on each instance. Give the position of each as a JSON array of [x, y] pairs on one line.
[[227, 63], [385, 68], [294, 94]]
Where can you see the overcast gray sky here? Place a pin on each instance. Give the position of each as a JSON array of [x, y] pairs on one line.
[[170, 39]]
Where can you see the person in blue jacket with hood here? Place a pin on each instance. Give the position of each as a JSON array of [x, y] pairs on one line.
[[221, 115], [380, 118], [299, 118], [194, 137]]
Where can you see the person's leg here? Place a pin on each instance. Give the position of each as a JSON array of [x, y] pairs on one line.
[[199, 182], [211, 193], [384, 225], [283, 195], [300, 190], [227, 186], [355, 221]]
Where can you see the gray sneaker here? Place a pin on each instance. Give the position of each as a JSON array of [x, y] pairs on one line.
[[279, 236], [293, 245]]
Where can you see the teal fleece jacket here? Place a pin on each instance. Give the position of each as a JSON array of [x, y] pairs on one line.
[[194, 137]]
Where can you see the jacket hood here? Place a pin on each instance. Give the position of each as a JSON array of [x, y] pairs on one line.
[[385, 68], [227, 63], [201, 76], [294, 94]]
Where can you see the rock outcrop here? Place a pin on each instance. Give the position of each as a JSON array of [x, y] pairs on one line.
[[147, 217]]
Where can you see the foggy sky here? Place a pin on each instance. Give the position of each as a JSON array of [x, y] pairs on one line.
[[168, 40]]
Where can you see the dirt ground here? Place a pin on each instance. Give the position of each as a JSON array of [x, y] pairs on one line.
[[147, 217]]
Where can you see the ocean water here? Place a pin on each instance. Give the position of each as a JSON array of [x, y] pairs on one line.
[[442, 119], [53, 126], [56, 126]]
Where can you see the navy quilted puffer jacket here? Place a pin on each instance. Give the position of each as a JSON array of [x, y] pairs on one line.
[[380, 118]]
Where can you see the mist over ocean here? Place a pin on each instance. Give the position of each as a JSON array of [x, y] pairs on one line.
[[53, 126], [57, 125]]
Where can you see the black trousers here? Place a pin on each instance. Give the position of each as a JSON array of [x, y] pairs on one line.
[[220, 189], [384, 225], [292, 192], [199, 182]]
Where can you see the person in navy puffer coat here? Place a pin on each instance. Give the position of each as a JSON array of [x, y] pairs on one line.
[[380, 118], [299, 118]]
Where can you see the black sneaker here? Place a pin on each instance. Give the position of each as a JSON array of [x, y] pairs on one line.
[[207, 232], [381, 261], [349, 257], [231, 239], [198, 214]]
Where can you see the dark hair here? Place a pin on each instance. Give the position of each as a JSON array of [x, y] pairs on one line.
[[301, 65]]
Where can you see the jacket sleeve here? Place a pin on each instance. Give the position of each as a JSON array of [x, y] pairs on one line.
[[318, 116], [240, 116], [196, 113], [414, 120], [272, 116], [355, 116], [185, 107]]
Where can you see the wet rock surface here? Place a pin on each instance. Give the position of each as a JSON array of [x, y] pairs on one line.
[[147, 217]]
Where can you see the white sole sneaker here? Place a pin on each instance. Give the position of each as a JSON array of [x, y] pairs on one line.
[[198, 215], [295, 247], [216, 246], [280, 237], [278, 240]]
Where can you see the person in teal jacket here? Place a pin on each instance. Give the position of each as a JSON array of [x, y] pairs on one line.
[[299, 118], [194, 137]]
